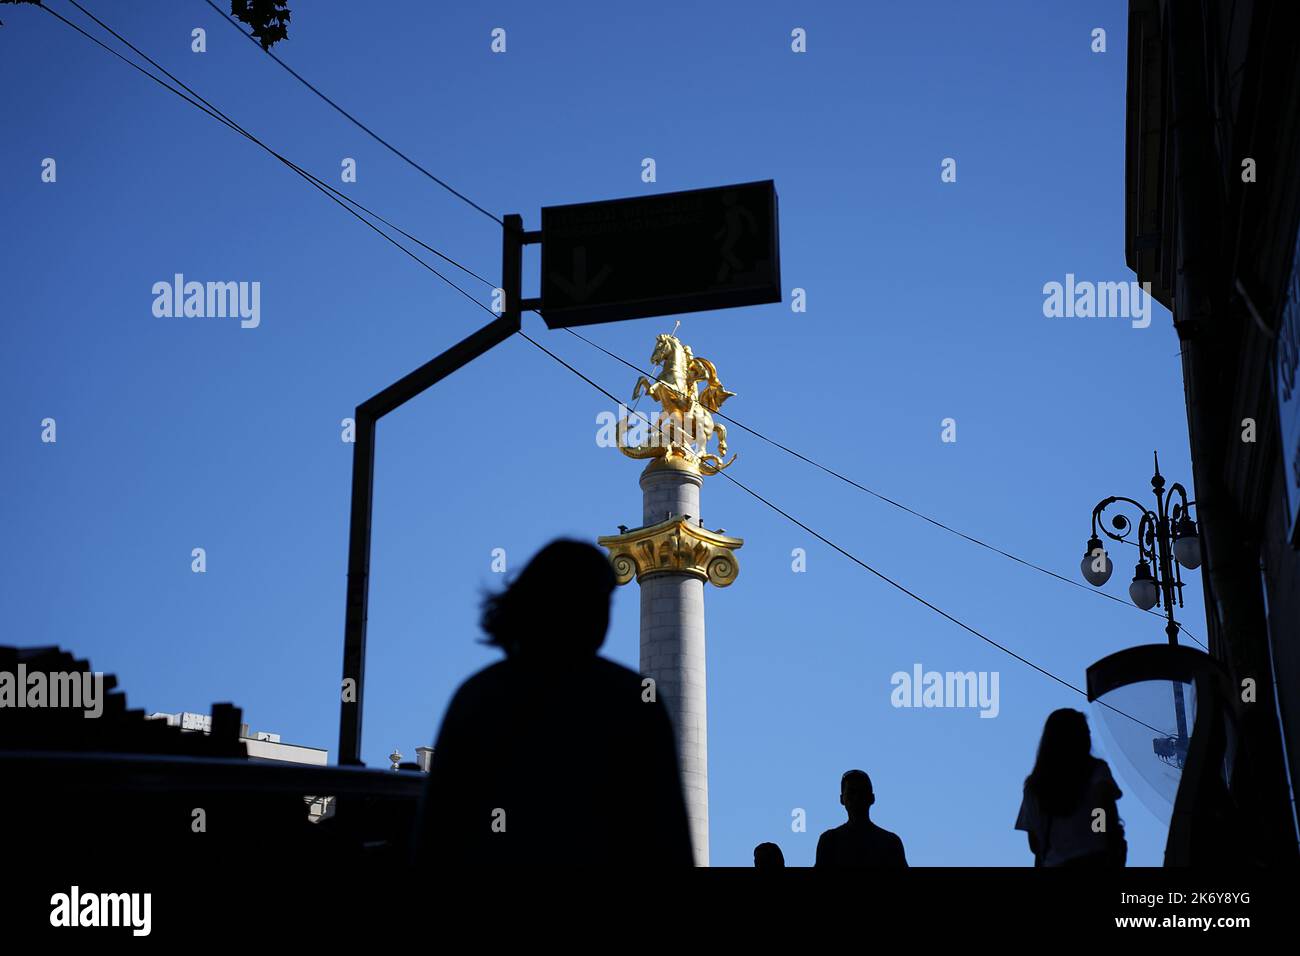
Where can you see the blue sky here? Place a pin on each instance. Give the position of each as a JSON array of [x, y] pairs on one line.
[[925, 301]]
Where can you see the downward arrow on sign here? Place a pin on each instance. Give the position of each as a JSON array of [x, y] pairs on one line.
[[580, 288]]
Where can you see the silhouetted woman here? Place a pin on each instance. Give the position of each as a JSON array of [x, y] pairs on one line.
[[1069, 808], [554, 755]]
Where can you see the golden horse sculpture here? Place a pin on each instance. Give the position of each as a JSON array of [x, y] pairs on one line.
[[680, 432]]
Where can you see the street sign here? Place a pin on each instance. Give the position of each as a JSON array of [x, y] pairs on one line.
[[659, 255]]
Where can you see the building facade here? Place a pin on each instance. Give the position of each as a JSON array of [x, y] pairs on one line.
[[1212, 207], [262, 746]]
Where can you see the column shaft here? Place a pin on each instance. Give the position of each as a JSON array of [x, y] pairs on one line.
[[672, 648]]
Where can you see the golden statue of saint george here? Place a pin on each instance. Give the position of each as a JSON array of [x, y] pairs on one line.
[[678, 435]]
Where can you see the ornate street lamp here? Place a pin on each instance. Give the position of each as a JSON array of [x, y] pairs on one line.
[[1167, 540]]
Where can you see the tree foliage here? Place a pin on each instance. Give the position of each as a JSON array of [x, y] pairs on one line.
[[268, 19], [33, 2]]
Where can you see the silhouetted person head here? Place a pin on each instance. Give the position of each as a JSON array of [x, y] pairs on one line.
[[1064, 762], [557, 607], [857, 795], [768, 856]]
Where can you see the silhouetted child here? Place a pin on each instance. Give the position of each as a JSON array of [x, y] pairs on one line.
[[1069, 808], [768, 856], [553, 755], [859, 842]]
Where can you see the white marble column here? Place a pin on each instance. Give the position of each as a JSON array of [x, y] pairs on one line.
[[672, 646]]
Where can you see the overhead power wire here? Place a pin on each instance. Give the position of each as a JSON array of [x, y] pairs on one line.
[[216, 114], [199, 102], [856, 560], [355, 122], [746, 428], [875, 494]]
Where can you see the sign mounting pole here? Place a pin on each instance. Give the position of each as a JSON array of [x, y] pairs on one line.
[[368, 413]]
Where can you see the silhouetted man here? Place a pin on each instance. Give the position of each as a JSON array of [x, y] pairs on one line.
[[554, 755], [859, 842], [768, 856]]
